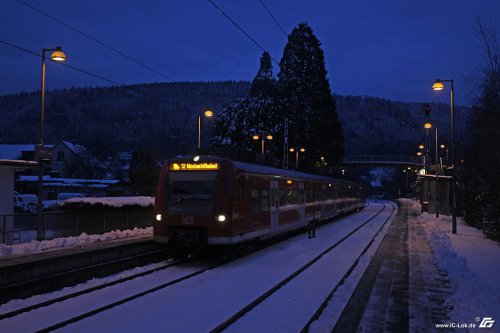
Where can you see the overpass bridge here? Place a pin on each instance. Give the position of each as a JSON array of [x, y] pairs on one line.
[[382, 161]]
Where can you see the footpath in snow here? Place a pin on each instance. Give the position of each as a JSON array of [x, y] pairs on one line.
[[468, 263]]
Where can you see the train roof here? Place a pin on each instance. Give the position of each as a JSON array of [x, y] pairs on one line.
[[253, 168]]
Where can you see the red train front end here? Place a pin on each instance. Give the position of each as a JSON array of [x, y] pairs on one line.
[[190, 205]]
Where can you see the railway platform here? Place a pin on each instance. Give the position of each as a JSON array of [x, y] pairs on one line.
[[24, 274], [401, 288]]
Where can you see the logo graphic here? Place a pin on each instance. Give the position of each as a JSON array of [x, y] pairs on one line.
[[487, 322]]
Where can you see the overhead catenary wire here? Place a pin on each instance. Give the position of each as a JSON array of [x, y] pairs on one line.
[[96, 40], [242, 30], [62, 64], [274, 18]]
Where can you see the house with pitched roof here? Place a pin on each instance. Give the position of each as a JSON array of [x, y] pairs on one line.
[[62, 154]]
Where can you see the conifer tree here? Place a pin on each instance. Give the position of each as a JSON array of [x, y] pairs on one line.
[[305, 99], [251, 115]]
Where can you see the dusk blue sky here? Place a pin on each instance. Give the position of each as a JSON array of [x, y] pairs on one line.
[[390, 49]]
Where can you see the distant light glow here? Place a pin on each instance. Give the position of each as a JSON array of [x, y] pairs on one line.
[[196, 158], [158, 217]]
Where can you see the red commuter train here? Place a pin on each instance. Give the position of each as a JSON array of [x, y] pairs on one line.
[[207, 200]]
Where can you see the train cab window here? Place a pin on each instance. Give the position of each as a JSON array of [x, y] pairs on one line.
[[254, 201], [264, 201], [195, 185]]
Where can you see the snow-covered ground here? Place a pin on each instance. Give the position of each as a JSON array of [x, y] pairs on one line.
[[6, 251], [472, 263]]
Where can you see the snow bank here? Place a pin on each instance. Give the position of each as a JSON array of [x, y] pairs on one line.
[[57, 243], [114, 202], [471, 262]]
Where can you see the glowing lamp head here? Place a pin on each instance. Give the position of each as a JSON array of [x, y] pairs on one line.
[[302, 150], [255, 137], [421, 146], [58, 55], [438, 85], [427, 125], [209, 114], [196, 158], [269, 137], [442, 146], [158, 217], [292, 150], [220, 218], [419, 153]]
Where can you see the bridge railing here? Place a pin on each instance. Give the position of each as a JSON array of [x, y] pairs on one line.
[[382, 159]]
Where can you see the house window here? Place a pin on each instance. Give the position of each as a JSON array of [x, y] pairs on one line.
[[60, 156]]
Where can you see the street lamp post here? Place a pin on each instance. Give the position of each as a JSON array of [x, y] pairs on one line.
[[208, 114], [57, 55], [263, 138], [296, 151], [438, 86]]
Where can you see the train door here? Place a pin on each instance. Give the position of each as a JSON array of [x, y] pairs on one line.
[[302, 205], [274, 204], [323, 198]]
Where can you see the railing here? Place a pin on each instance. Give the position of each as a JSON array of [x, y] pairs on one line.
[[22, 228], [382, 159]]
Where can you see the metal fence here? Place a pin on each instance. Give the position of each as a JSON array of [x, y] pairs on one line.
[[22, 228]]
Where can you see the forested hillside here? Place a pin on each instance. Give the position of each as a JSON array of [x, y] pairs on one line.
[[162, 118], [159, 117]]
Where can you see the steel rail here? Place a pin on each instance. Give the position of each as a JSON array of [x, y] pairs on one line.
[[242, 312]]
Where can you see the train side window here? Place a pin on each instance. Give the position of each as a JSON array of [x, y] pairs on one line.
[[254, 201], [242, 186], [292, 197], [264, 201], [282, 198]]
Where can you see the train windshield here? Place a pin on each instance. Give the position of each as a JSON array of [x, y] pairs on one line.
[[191, 184]]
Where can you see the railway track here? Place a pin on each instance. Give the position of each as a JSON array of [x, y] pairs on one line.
[[38, 279], [52, 306], [272, 291], [19, 311]]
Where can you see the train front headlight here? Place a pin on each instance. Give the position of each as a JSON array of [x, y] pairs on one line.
[[220, 218], [158, 217]]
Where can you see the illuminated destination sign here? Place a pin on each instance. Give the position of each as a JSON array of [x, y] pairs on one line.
[[193, 166]]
